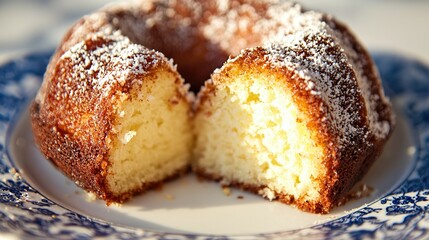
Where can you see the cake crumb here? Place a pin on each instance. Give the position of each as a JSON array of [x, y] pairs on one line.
[[411, 150], [240, 197], [90, 197], [169, 196], [363, 190], [226, 191]]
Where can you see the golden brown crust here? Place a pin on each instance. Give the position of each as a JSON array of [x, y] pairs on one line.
[[81, 161]]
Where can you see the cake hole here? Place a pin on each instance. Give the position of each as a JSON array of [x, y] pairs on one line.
[[271, 124], [264, 167], [159, 122], [275, 163], [252, 97]]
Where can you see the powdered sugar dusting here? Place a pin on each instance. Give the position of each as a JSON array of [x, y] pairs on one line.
[[314, 57], [111, 63], [373, 97]]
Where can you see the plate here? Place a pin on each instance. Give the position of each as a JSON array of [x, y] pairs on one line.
[[37, 201]]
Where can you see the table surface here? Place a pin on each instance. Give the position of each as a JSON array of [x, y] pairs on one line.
[[399, 26]]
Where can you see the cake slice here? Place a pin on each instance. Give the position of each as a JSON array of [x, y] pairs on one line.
[[298, 120], [114, 117]]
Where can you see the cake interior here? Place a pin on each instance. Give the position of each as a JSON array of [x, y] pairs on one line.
[[152, 136], [252, 134]]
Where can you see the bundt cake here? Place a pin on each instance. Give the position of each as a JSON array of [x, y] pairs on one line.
[[297, 113], [299, 118]]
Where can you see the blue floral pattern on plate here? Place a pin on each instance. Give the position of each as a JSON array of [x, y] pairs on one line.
[[403, 213]]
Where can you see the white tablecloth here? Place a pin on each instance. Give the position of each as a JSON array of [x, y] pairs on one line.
[[400, 26]]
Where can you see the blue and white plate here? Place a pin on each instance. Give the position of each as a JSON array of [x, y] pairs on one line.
[[37, 201]]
